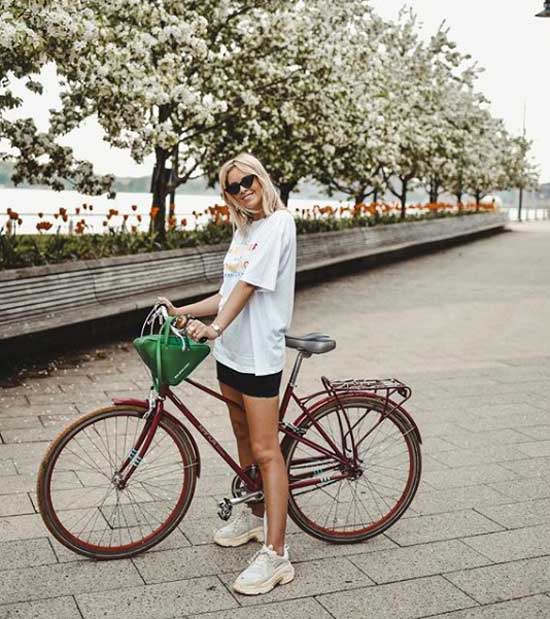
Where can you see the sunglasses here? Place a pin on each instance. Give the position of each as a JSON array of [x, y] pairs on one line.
[[245, 183]]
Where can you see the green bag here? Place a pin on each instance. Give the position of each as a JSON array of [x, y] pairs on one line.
[[170, 358]]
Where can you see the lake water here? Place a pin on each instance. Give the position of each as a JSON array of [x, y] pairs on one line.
[[28, 203]]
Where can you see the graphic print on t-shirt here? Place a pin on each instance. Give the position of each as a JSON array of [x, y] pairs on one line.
[[235, 264]]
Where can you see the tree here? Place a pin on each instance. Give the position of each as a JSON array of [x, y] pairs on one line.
[[23, 53], [294, 127]]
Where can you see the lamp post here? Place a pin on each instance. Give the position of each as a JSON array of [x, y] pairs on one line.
[[546, 11]]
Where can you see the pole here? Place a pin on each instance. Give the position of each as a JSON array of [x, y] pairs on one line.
[[521, 185]]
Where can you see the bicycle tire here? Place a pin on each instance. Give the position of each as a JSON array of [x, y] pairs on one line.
[[310, 518], [128, 518]]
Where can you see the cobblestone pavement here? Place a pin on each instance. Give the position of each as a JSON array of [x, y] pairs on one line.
[[468, 329]]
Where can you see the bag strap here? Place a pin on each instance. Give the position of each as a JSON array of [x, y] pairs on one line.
[[162, 340]]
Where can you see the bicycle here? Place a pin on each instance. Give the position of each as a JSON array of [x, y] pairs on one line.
[[120, 479]]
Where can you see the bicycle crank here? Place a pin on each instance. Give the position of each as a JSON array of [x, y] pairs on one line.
[[225, 507]]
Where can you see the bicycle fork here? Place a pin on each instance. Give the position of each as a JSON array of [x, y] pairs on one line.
[[137, 452]]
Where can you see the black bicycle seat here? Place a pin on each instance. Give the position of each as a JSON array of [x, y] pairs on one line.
[[315, 343]]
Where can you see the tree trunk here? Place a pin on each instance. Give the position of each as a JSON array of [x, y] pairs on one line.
[[360, 197], [403, 197], [434, 190], [285, 189], [159, 184], [478, 199], [375, 195], [158, 206], [458, 196]]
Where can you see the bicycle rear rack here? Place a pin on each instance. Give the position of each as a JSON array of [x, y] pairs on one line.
[[385, 387]]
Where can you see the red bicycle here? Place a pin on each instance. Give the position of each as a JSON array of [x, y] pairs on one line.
[[120, 479]]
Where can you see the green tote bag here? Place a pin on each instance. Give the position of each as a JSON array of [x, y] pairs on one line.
[[170, 358]]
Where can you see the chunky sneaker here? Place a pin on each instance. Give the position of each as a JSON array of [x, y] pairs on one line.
[[242, 529], [266, 569]]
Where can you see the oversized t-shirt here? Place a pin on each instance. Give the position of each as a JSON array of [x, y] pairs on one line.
[[264, 256]]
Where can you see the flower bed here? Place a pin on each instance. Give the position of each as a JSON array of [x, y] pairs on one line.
[[122, 236]]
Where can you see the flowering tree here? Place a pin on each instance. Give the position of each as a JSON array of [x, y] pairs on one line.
[[23, 52], [294, 128], [161, 76]]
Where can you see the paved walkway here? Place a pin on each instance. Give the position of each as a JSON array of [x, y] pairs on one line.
[[468, 329]]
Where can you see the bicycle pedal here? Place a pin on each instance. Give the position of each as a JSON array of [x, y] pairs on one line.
[[224, 509]]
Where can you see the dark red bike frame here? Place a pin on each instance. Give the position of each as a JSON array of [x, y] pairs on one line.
[[346, 464]]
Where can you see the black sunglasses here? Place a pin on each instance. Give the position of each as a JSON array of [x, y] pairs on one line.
[[245, 183]]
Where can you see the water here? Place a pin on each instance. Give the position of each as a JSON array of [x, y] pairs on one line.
[[28, 203]]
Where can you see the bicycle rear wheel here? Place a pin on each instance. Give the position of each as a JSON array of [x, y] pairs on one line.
[[78, 496], [364, 504]]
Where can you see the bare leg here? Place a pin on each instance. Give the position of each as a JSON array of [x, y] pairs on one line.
[[240, 429], [262, 415]]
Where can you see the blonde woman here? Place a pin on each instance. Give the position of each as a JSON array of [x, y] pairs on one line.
[[253, 311]]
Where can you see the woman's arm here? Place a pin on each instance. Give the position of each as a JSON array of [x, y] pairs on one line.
[[231, 309], [235, 302]]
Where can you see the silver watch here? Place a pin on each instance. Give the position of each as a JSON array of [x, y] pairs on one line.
[[217, 328]]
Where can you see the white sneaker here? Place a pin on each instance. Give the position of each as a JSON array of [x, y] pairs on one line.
[[242, 529], [266, 569]]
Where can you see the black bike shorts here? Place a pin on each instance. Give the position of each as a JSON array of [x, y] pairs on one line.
[[257, 386]]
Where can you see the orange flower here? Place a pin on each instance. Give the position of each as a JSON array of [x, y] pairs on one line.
[[134, 207], [77, 210], [139, 217], [183, 222], [40, 215], [154, 212]]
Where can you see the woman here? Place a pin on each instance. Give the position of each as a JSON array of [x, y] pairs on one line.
[[254, 310]]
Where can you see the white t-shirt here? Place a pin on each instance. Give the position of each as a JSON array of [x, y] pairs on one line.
[[264, 256]]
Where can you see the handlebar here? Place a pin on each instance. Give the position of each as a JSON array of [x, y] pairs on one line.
[[161, 309]]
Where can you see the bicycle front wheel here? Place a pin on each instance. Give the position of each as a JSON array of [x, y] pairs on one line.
[[81, 502], [361, 505]]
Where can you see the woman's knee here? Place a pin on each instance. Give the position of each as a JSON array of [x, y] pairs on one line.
[[265, 453], [240, 428]]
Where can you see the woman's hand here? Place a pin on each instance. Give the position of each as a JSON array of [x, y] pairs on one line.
[[197, 330], [172, 310]]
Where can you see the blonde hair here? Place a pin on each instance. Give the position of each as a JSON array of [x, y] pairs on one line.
[[271, 202]]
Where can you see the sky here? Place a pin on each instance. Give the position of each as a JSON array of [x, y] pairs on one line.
[[503, 37]]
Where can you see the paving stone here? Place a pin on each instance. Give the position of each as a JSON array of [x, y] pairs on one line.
[[26, 553], [468, 476], [304, 547], [307, 608], [536, 449], [504, 581], [17, 423], [524, 489], [423, 529], [540, 432], [7, 467], [417, 561], [312, 578], [22, 527], [52, 608], [163, 601], [511, 545], [66, 579], [15, 504], [471, 440], [404, 600], [29, 435], [490, 454], [193, 561], [534, 467], [429, 501], [517, 515], [535, 607]]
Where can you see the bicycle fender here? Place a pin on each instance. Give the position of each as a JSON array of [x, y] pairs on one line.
[[145, 405], [330, 399]]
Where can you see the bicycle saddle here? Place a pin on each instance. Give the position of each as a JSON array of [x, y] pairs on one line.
[[315, 343]]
